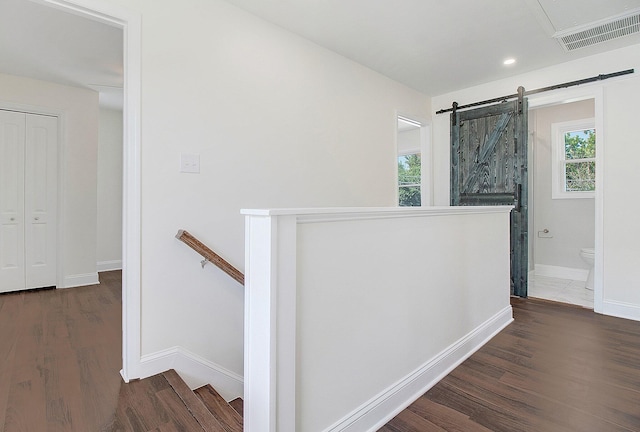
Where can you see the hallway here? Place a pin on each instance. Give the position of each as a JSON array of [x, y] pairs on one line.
[[60, 352], [556, 368]]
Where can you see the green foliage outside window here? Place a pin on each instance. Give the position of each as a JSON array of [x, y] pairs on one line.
[[409, 176], [580, 165]]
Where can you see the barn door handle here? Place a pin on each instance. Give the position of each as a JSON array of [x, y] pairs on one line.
[[517, 198]]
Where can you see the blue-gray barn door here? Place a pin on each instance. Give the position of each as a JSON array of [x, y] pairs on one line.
[[489, 167]]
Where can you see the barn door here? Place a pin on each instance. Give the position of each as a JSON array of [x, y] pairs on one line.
[[489, 167]]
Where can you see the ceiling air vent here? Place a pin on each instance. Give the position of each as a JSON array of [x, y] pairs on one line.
[[584, 36]]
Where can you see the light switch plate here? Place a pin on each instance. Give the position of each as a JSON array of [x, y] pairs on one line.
[[189, 163]]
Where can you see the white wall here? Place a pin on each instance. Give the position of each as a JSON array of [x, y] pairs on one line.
[[621, 228], [79, 111], [109, 225], [277, 122], [620, 294], [571, 222]]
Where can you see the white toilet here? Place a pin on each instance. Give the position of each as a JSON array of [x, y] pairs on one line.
[[589, 256]]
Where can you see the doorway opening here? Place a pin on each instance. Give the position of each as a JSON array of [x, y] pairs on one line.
[[565, 141], [413, 158], [130, 24]]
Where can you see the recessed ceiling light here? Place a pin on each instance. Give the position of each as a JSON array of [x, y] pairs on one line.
[[509, 61]]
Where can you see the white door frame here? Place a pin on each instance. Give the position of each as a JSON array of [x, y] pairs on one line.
[[595, 92], [131, 24]]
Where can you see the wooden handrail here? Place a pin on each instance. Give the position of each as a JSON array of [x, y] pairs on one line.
[[209, 255]]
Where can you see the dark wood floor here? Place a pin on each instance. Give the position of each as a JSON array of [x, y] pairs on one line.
[[60, 356], [557, 368]]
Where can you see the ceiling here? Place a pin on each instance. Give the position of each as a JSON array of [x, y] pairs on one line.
[[45, 43], [433, 46], [439, 46]]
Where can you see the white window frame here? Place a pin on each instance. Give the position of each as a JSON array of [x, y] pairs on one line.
[[558, 158]]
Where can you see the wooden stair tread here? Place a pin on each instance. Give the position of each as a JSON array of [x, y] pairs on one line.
[[238, 405], [228, 417], [194, 404]]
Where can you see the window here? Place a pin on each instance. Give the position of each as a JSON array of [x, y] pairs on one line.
[[409, 179], [409, 142], [574, 159]]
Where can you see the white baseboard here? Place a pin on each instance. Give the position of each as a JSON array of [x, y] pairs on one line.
[[621, 310], [382, 408], [78, 280], [103, 266], [561, 272], [194, 370]]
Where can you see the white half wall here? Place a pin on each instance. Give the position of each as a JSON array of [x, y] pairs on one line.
[[351, 314], [109, 223], [618, 255], [78, 111]]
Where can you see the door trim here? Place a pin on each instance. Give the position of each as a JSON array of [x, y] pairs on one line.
[[595, 92], [131, 24]]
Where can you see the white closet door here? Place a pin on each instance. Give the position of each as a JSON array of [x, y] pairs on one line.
[[40, 200], [28, 199], [12, 162]]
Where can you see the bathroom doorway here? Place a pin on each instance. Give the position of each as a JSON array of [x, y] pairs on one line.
[[563, 201]]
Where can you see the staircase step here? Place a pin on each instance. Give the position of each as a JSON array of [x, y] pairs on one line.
[[194, 404], [238, 405], [222, 411]]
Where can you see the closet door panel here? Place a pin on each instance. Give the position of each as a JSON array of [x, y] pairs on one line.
[[41, 200], [12, 160]]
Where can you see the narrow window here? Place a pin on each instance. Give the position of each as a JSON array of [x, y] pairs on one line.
[[574, 159], [409, 163]]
